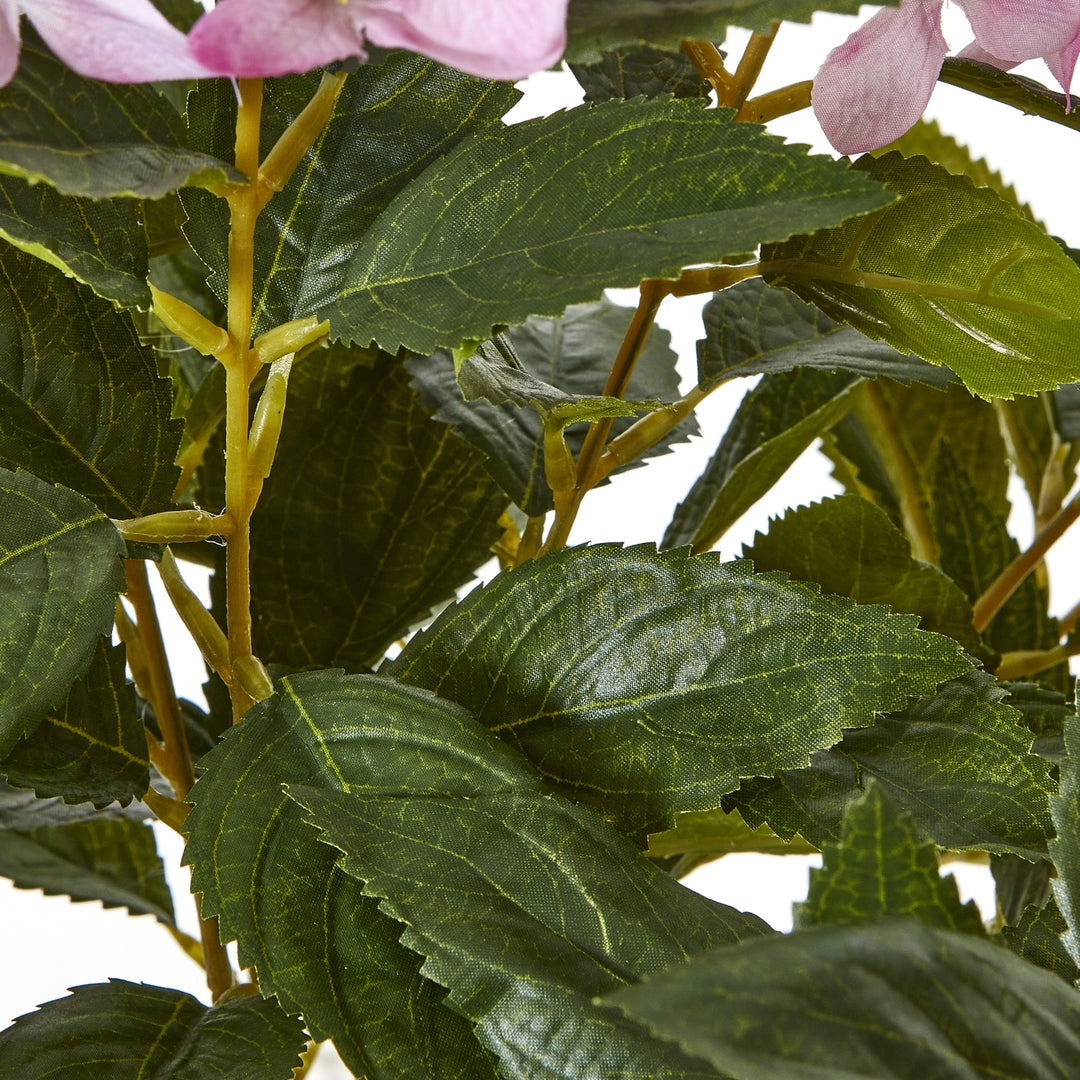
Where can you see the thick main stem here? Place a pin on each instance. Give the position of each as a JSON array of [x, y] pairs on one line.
[[750, 65], [244, 206]]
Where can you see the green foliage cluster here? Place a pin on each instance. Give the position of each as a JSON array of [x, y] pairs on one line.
[[446, 831]]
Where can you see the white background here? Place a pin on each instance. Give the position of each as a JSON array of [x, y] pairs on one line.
[[51, 944]]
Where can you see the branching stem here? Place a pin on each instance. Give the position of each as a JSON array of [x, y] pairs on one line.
[[1007, 582], [782, 102]]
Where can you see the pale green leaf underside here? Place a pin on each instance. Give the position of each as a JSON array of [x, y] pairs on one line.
[[880, 870], [129, 1031], [60, 571], [646, 683], [488, 236], [950, 272], [849, 1002]]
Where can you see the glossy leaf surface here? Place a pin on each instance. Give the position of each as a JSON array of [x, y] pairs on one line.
[[755, 329], [775, 423], [568, 360], [344, 969], [92, 748], [370, 493], [957, 761], [94, 139], [130, 1031], [646, 683], [978, 286], [81, 402], [929, 1002], [488, 237], [880, 870], [393, 118], [113, 860], [60, 572], [848, 546]]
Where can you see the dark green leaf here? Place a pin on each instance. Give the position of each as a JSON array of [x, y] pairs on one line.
[[60, 571], [525, 904], [975, 546], [848, 546], [370, 493], [858, 465], [754, 329], [568, 360], [81, 403], [1037, 938], [957, 761], [894, 999], [1044, 710], [99, 242], [647, 70], [91, 749], [22, 811], [979, 287], [596, 25], [1067, 411], [775, 423], [181, 13], [489, 237], [94, 139], [880, 869], [646, 683], [327, 952], [114, 861], [1065, 848], [128, 1031], [1019, 883], [1035, 450], [394, 118]]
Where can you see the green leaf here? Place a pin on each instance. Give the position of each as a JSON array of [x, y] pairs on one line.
[[1067, 411], [525, 904], [1018, 883], [929, 141], [977, 286], [456, 254], [91, 749], [713, 833], [880, 869], [81, 403], [893, 998], [328, 952], [99, 242], [957, 761], [848, 546], [1017, 91], [754, 329], [775, 423], [129, 1031], [1044, 710], [114, 861], [645, 683], [975, 546], [370, 493], [1065, 848], [1037, 939], [181, 13], [858, 466], [60, 571], [394, 117], [596, 25], [95, 139], [565, 362], [647, 70], [23, 811], [1035, 449]]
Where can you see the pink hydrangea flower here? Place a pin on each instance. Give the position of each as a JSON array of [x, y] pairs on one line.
[[112, 40], [874, 86], [498, 39]]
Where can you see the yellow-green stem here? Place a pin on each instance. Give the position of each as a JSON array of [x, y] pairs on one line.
[[788, 99], [244, 206], [1067, 622], [750, 65], [705, 56], [1007, 582], [1028, 662]]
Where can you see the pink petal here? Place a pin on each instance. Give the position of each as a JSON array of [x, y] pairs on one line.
[[497, 39], [1019, 30], [114, 40], [251, 38], [874, 87], [9, 41], [1062, 65]]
